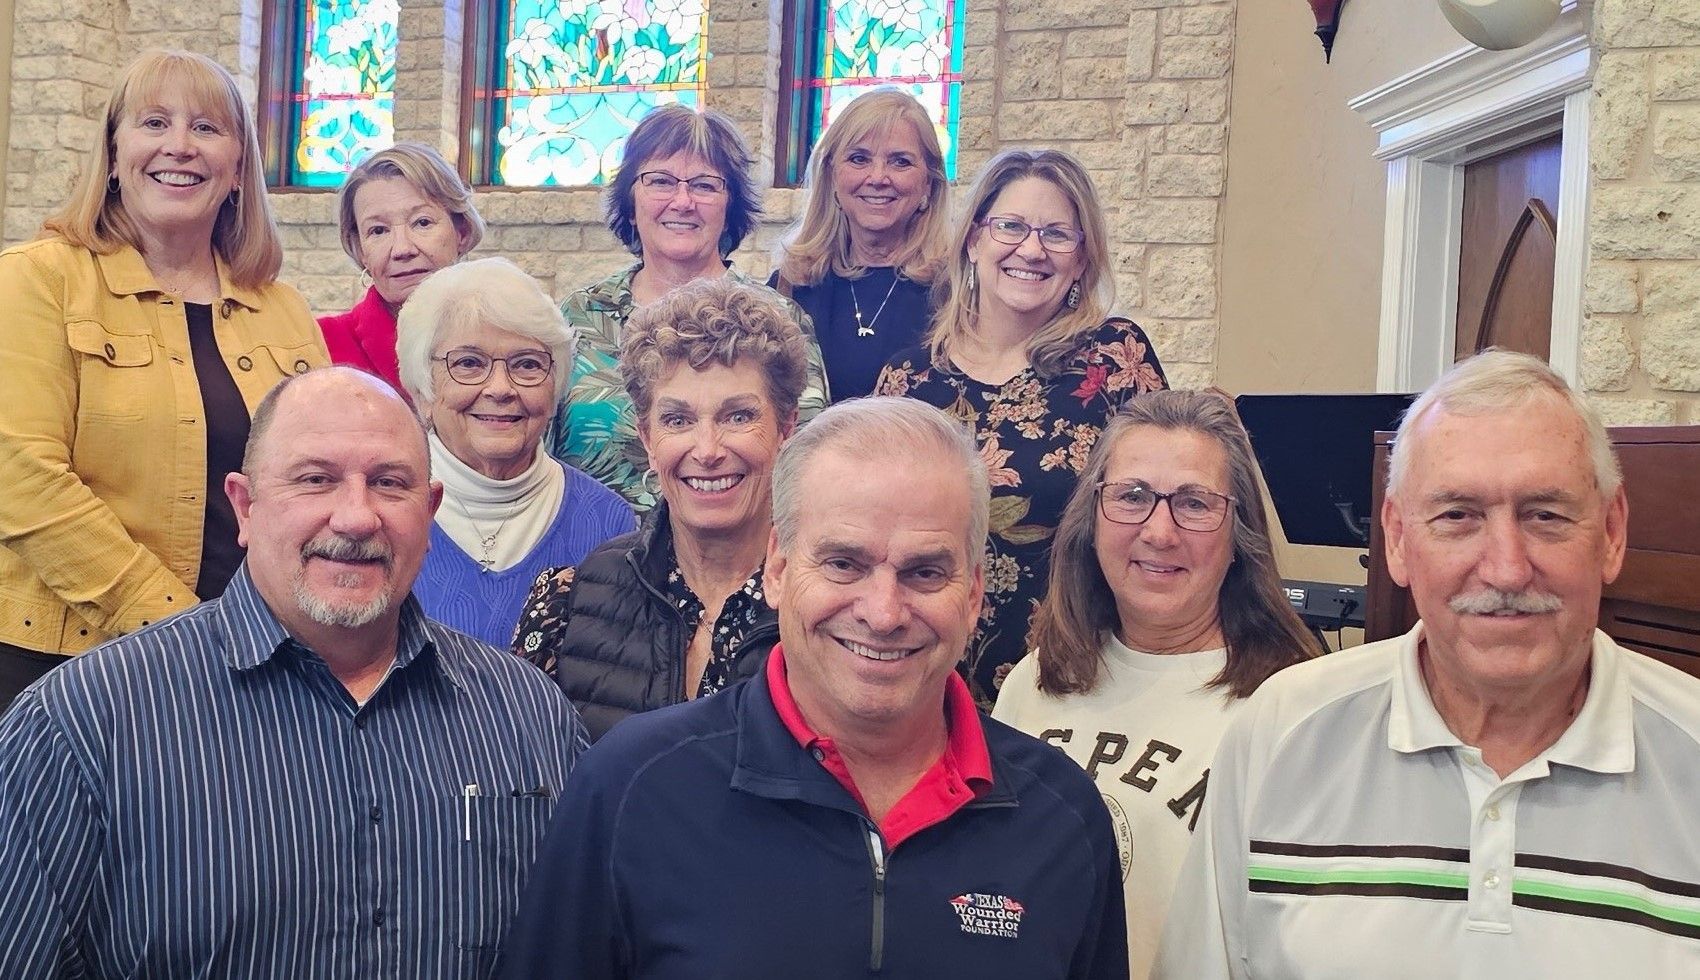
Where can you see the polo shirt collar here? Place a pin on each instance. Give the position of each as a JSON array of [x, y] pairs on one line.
[[126, 274], [1600, 739], [256, 634]]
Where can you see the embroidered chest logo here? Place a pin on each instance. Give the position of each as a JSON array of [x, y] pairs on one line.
[[989, 915]]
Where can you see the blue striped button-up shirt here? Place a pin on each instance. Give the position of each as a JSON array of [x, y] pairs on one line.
[[203, 798]]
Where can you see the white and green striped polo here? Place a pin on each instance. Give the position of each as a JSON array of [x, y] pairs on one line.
[[1349, 833]]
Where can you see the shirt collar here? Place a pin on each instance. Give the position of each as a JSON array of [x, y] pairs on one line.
[[126, 274], [965, 742], [1600, 739], [257, 634]]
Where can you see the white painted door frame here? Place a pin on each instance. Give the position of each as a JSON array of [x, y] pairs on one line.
[[1430, 124]]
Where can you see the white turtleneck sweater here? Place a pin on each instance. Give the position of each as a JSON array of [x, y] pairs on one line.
[[516, 511]]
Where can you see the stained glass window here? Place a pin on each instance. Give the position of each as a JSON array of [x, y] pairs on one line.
[[576, 75], [916, 44], [344, 102]]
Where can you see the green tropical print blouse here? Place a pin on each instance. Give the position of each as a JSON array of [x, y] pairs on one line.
[[595, 428]]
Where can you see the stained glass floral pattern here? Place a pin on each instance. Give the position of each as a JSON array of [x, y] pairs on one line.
[[577, 75], [916, 44], [345, 103]]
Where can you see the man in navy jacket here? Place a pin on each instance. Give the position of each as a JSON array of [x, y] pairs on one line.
[[848, 812]]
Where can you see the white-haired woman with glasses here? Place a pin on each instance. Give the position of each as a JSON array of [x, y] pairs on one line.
[[1164, 613], [482, 352], [1023, 350], [682, 201]]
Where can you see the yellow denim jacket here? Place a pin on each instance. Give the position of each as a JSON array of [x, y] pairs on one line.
[[103, 449]]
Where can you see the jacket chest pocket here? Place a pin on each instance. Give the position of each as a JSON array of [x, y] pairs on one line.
[[259, 366], [113, 369], [500, 834]]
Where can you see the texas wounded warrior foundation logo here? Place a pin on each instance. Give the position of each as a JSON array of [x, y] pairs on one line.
[[988, 915]]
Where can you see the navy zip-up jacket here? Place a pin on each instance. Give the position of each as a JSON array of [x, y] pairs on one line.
[[702, 841]]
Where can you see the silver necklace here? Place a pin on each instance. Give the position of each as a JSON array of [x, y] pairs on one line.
[[868, 329], [485, 541]]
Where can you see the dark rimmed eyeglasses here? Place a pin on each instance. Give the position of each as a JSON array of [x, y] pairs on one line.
[[702, 187], [1014, 231], [471, 366], [1191, 509]]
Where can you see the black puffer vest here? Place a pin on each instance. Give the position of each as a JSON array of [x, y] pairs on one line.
[[624, 646]]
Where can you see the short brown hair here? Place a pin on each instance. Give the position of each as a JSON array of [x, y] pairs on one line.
[[671, 129], [430, 175], [716, 320], [244, 234], [1263, 633]]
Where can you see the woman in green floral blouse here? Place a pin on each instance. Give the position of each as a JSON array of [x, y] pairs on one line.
[[682, 201], [1024, 350]]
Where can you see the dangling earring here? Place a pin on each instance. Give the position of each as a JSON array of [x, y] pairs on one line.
[[973, 285], [234, 198], [1073, 299], [650, 482], [111, 183]]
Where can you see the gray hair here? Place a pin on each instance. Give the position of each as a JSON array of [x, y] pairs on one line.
[[1493, 381], [880, 428], [490, 291]]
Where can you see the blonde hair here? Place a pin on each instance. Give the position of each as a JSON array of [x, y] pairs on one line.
[[958, 310], [715, 320], [820, 239], [430, 175], [244, 234]]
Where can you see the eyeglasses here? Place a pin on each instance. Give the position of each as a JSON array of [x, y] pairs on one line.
[[471, 366], [1014, 231], [702, 187], [1134, 503]]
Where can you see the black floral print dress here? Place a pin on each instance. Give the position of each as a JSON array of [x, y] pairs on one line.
[[1034, 434]]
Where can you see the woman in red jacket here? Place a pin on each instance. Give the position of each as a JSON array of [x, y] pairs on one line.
[[404, 213]]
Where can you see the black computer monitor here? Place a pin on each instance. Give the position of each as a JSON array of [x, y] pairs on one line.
[[1317, 454]]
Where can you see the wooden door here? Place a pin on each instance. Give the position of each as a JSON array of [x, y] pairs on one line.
[[1506, 251]]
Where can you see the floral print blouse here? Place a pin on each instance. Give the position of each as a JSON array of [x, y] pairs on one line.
[[1034, 434], [594, 428], [545, 617]]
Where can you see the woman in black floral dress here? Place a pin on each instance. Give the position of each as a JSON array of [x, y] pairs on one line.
[[1023, 350]]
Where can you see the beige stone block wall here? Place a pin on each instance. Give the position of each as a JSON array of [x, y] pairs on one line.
[[1138, 89], [1641, 333]]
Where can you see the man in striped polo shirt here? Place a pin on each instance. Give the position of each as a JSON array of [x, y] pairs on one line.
[[304, 778], [1503, 792]]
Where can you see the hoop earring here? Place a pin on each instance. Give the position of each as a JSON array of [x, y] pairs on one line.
[[365, 279], [234, 198], [111, 183], [650, 476], [1073, 299]]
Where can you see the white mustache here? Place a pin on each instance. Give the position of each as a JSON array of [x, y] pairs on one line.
[[1488, 602]]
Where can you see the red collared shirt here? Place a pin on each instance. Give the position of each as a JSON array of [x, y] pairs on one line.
[[963, 772]]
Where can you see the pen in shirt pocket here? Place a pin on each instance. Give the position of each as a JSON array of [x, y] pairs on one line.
[[470, 791]]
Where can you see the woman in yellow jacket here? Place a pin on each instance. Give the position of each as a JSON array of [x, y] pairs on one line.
[[142, 327]]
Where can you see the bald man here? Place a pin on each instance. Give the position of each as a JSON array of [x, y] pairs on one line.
[[305, 777]]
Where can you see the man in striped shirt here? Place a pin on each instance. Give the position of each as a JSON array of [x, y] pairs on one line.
[[303, 778], [1503, 792]]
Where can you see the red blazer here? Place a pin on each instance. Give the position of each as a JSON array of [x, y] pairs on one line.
[[364, 337]]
